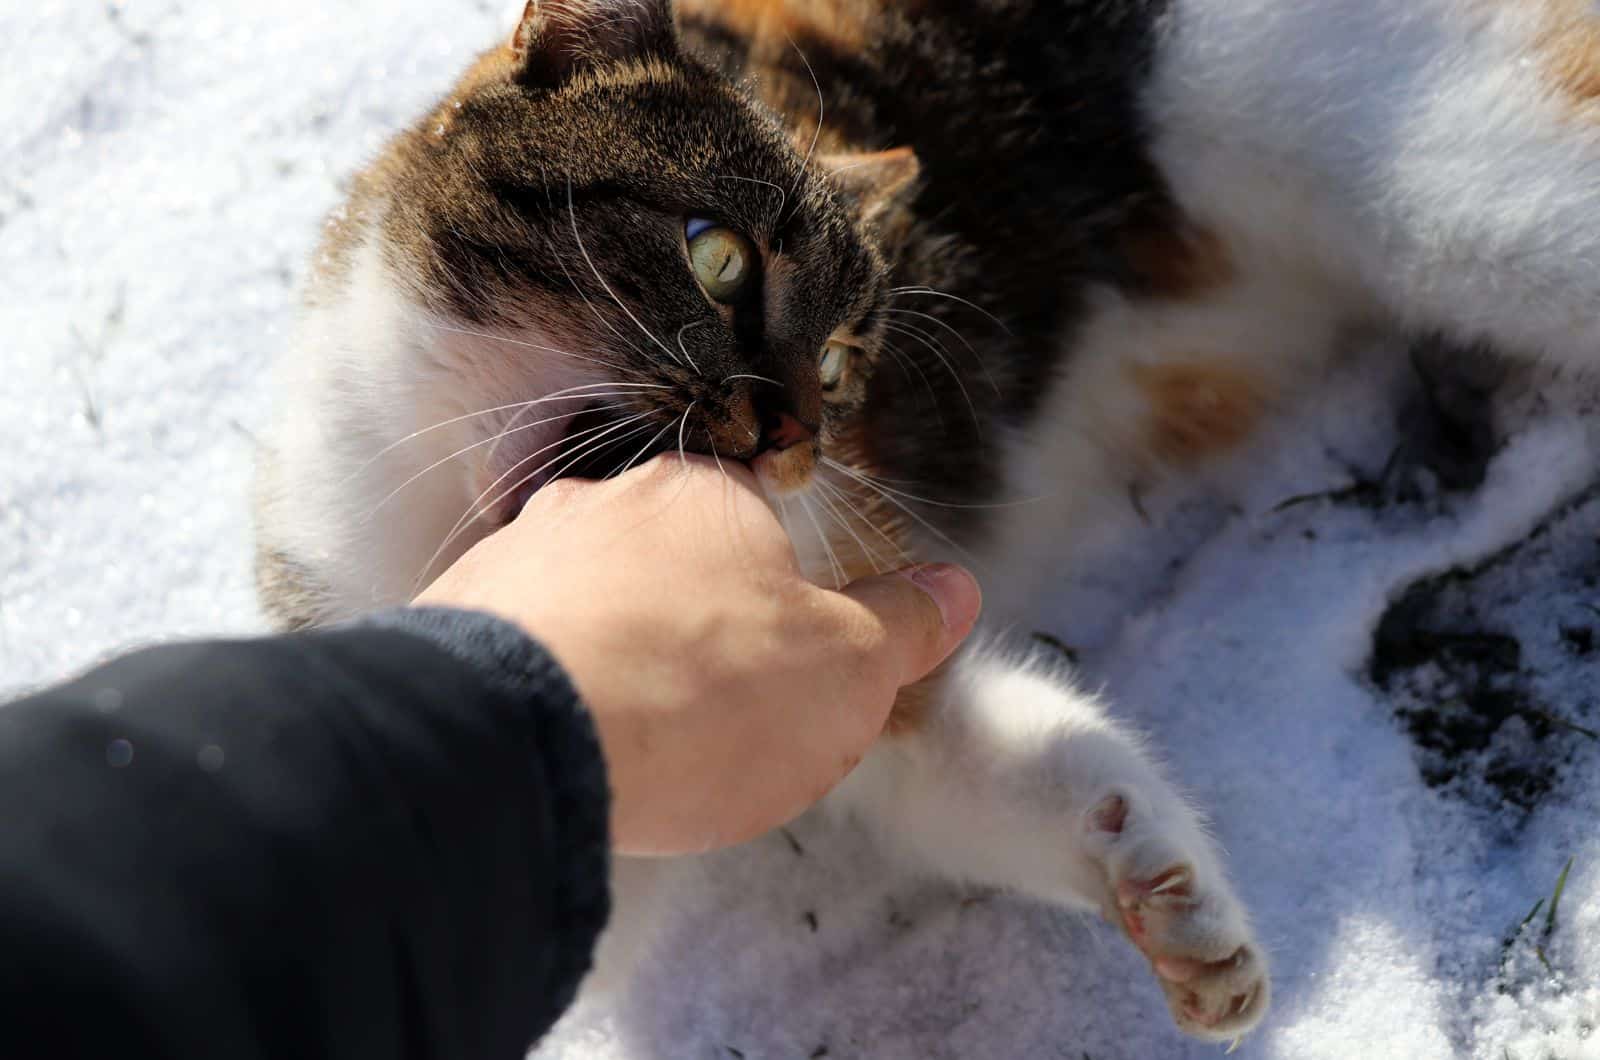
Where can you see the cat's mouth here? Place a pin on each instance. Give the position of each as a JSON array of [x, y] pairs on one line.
[[594, 444], [601, 443]]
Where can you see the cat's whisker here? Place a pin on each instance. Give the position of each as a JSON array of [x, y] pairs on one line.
[[598, 395], [571, 393], [599, 440], [935, 531], [625, 468], [591, 438], [903, 359], [900, 292], [866, 553], [783, 196], [683, 425], [822, 539], [572, 215], [472, 506], [685, 352], [594, 445], [476, 508], [525, 344], [751, 375], [594, 310], [844, 499], [715, 456], [928, 341], [880, 484], [821, 110], [494, 439], [976, 359]]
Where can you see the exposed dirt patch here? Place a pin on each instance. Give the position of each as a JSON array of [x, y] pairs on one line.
[[1493, 670]]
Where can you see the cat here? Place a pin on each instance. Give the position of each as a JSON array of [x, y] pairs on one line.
[[912, 260]]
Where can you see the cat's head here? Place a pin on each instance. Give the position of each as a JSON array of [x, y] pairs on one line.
[[597, 222]]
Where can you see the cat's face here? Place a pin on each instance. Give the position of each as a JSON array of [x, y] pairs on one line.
[[605, 227]]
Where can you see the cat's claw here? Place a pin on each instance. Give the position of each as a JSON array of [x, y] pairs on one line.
[[1183, 918]]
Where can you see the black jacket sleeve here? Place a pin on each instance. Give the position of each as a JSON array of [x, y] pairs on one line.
[[381, 841]]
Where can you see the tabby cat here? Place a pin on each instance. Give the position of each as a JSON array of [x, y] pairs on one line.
[[914, 260]]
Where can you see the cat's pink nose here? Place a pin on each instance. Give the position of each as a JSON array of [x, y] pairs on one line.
[[787, 432]]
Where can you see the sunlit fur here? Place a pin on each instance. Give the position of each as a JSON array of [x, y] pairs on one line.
[[1076, 245]]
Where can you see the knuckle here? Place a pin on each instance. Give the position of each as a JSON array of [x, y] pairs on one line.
[[659, 469], [561, 491]]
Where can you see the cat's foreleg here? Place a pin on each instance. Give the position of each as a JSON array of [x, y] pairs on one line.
[[1002, 773]]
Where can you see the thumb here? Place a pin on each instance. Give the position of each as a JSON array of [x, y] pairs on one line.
[[926, 612]]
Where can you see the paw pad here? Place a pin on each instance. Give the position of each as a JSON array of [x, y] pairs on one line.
[[1180, 913]]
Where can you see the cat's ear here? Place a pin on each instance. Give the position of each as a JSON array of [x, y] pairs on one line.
[[875, 182], [559, 39]]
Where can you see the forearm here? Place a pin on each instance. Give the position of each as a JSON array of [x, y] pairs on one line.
[[383, 840]]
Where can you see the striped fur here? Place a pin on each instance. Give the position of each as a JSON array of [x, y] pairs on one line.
[[1074, 244]]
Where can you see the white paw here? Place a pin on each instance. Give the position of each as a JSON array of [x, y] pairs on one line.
[[1163, 889]]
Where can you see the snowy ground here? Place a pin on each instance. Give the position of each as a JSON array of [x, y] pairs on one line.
[[1398, 785]]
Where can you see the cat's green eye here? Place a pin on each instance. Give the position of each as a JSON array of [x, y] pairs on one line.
[[831, 366], [723, 260]]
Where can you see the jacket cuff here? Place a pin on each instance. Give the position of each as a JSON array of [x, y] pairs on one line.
[[564, 738]]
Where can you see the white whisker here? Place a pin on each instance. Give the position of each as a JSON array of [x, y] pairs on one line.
[[572, 214], [928, 341], [571, 393], [629, 465], [821, 110], [931, 293], [866, 553], [976, 359], [686, 327], [833, 561], [879, 483], [526, 345], [751, 375], [839, 492], [783, 196], [935, 531], [464, 450], [903, 359], [594, 310], [715, 456], [476, 508], [683, 457]]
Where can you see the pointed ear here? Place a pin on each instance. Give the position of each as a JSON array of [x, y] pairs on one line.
[[559, 39], [877, 181]]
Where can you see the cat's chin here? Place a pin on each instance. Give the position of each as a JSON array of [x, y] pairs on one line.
[[784, 472]]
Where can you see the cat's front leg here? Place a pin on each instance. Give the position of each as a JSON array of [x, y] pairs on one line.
[[1003, 774]]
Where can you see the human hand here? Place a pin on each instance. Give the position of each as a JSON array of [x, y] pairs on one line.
[[729, 692]]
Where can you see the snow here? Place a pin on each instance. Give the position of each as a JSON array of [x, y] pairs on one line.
[[167, 166]]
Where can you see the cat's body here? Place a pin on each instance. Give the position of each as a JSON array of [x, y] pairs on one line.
[[1137, 228]]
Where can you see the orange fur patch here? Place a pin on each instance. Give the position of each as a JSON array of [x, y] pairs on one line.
[[1177, 260], [788, 471], [1198, 409], [772, 23], [1570, 46]]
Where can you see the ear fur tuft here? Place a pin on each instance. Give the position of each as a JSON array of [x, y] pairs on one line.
[[558, 39], [875, 181]]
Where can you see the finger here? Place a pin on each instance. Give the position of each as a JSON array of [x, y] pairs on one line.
[[697, 467], [925, 613]]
